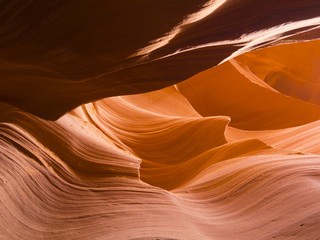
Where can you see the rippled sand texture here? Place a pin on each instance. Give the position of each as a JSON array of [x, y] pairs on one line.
[[230, 153]]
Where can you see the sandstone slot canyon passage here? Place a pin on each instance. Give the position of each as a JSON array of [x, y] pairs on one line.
[[160, 120]]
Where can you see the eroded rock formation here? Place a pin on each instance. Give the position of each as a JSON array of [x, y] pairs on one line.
[[226, 147]]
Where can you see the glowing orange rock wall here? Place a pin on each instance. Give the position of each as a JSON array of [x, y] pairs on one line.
[[231, 152]]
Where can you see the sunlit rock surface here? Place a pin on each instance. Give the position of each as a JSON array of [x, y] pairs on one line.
[[226, 147]]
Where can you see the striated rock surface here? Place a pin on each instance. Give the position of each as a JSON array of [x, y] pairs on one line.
[[225, 147]]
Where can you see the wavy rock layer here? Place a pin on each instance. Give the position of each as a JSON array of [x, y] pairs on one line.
[[230, 153], [149, 166]]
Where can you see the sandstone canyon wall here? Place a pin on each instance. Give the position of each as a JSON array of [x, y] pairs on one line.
[[170, 119]]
